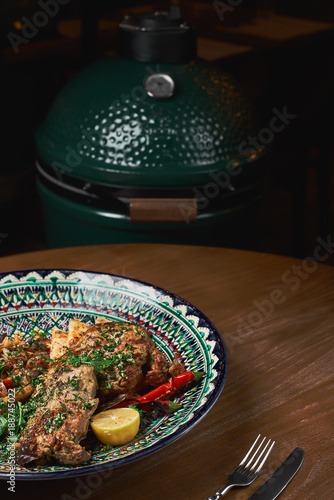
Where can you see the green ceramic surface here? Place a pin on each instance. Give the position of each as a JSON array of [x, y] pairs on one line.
[[103, 127], [69, 223]]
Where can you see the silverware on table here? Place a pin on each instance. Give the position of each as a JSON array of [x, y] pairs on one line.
[[276, 483], [246, 473]]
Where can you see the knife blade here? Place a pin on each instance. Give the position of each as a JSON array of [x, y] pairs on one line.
[[276, 483]]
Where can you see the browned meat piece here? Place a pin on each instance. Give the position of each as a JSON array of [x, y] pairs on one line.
[[160, 370], [175, 368], [64, 404], [132, 352], [125, 348]]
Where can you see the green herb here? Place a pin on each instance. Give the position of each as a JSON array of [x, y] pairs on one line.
[[3, 365], [88, 405], [3, 424], [130, 347], [16, 380], [54, 422], [139, 410], [20, 422], [48, 426], [110, 347], [59, 419], [35, 381], [98, 361], [74, 382]]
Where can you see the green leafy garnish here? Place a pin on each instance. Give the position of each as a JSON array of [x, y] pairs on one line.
[[3, 424]]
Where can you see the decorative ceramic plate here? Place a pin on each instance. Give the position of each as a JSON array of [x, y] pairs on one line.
[[45, 298]]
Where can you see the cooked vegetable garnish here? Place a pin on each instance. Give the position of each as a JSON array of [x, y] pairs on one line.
[[171, 387], [166, 407]]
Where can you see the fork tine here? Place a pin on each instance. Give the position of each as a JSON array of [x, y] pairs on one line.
[[262, 452], [254, 454], [249, 451], [253, 465], [265, 457]]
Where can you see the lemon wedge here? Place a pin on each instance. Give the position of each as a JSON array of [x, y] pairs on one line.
[[116, 426]]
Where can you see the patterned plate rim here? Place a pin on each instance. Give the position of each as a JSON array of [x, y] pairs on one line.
[[164, 441]]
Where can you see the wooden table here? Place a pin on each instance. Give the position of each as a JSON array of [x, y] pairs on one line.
[[275, 315]]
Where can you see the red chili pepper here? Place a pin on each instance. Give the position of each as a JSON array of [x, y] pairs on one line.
[[8, 382], [173, 385]]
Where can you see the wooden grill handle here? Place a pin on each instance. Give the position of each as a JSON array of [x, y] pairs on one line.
[[163, 210]]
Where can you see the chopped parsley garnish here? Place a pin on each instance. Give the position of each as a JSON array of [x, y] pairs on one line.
[[88, 405], [99, 361], [16, 380], [74, 382], [55, 422], [59, 419]]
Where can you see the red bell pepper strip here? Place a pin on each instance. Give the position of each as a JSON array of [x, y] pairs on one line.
[[173, 385]]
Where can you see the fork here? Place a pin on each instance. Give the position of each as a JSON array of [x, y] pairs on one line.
[[244, 475]]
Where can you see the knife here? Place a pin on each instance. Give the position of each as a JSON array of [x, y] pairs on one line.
[[276, 483]]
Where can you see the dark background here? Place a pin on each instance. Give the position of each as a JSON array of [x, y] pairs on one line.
[[297, 206]]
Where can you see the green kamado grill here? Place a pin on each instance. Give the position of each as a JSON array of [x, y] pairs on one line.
[[149, 145]]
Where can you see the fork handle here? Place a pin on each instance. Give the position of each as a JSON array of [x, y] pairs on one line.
[[221, 491]]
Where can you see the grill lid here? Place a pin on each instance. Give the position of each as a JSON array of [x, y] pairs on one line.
[[131, 123]]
